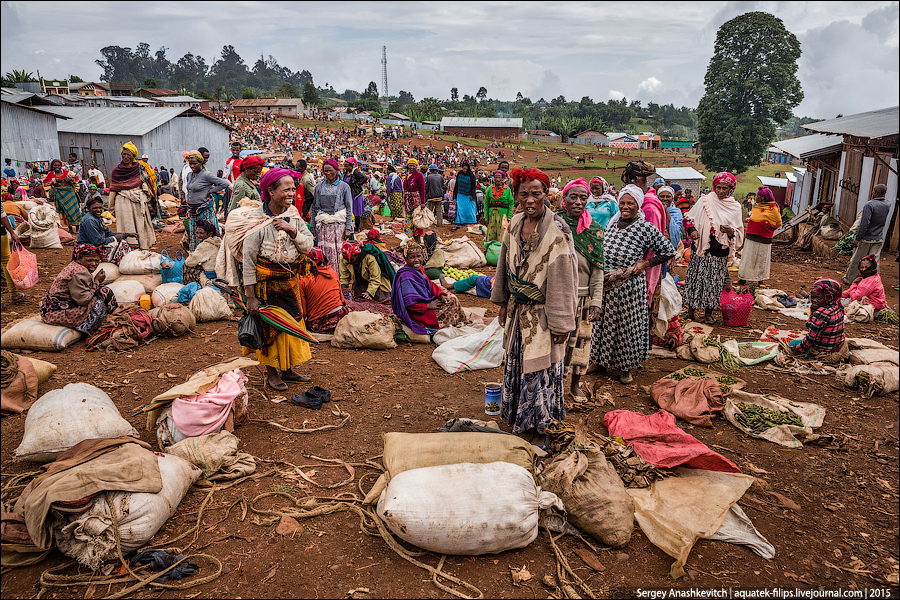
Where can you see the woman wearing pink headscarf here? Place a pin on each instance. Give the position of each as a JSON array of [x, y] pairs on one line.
[[331, 214], [716, 227]]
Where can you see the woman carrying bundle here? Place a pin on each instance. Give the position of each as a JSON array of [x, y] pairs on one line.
[[423, 306], [134, 186], [76, 298], [94, 232], [716, 226], [535, 286], [765, 218], [274, 258]]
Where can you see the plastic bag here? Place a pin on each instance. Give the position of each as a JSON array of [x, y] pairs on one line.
[[492, 252], [22, 267], [250, 332], [172, 270], [186, 293], [669, 305]]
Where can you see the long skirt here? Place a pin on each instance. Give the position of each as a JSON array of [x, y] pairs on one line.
[[87, 318], [396, 202], [495, 226], [530, 400], [465, 210], [578, 347], [327, 323], [330, 239], [706, 278], [621, 338], [192, 223], [285, 352], [133, 218], [359, 205], [67, 204], [755, 261]]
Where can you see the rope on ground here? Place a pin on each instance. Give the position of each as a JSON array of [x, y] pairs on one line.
[[371, 524], [314, 430], [563, 568]]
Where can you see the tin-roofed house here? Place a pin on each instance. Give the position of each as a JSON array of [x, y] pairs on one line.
[[28, 133], [484, 128]]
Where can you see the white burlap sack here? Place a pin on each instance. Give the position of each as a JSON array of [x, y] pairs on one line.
[[874, 379], [166, 293], [90, 537], [462, 253], [860, 311], [111, 270], [149, 281], [465, 509], [126, 291], [139, 262], [422, 217], [480, 350], [64, 417], [34, 334], [364, 330], [209, 305], [42, 225]]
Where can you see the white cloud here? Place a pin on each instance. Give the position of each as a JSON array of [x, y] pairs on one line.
[[615, 95], [650, 85]]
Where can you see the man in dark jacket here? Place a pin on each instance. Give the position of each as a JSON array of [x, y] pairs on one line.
[[434, 193], [870, 235]]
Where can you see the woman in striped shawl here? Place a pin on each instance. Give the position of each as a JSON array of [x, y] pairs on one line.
[[132, 189]]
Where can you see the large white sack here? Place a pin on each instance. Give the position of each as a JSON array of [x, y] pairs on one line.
[[669, 305], [362, 329], [446, 334], [481, 350], [465, 509], [42, 225], [149, 281], [139, 262], [111, 270], [166, 293], [126, 290], [62, 418], [209, 305], [90, 537], [34, 334], [462, 253]]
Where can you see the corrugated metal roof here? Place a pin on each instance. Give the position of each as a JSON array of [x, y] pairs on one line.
[[679, 173], [773, 181], [168, 99], [480, 122], [872, 124], [133, 99], [41, 109], [118, 121], [809, 145]]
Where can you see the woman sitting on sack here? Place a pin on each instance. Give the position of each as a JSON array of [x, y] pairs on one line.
[[76, 298], [94, 232], [274, 257], [420, 304], [366, 271], [825, 340], [868, 284], [323, 303]]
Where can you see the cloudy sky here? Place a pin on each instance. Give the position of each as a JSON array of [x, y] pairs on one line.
[[652, 51]]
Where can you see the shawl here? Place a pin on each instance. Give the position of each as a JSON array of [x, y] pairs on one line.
[[125, 178], [411, 286], [765, 218], [387, 269], [711, 213], [654, 211], [588, 242]]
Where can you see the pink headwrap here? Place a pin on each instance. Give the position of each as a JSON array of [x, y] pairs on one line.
[[333, 163], [271, 176], [765, 195], [585, 220], [726, 178]]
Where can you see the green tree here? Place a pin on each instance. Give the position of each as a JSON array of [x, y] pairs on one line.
[[286, 90], [13, 77], [248, 93], [149, 83], [311, 94], [454, 95], [751, 85], [482, 93], [406, 98], [75, 79]]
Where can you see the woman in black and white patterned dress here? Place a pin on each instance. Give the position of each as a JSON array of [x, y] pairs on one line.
[[620, 339]]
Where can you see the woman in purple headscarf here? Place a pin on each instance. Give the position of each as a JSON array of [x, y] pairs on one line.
[[421, 305], [765, 219], [331, 214]]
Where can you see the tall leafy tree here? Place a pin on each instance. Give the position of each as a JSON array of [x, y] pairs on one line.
[[454, 95], [751, 86], [311, 94]]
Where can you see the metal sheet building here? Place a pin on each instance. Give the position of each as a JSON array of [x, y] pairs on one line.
[[29, 134], [486, 128], [96, 135]]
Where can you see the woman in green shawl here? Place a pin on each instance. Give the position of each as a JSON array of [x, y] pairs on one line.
[[587, 236], [498, 202]]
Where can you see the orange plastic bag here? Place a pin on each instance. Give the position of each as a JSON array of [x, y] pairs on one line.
[[22, 267]]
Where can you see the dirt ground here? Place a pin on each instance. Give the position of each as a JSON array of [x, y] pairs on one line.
[[835, 525]]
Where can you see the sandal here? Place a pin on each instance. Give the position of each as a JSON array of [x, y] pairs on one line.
[[292, 376], [709, 320], [280, 387]]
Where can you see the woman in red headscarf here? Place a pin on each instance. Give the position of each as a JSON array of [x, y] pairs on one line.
[[535, 286], [825, 340], [244, 185], [716, 226], [76, 298]]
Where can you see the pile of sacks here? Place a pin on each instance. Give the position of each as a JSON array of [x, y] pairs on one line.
[[100, 478]]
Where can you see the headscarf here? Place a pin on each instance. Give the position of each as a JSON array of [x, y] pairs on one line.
[[637, 168], [193, 154], [873, 270], [603, 185], [587, 235], [334, 164], [500, 172], [675, 187], [251, 161], [351, 161], [82, 250], [93, 200], [374, 235], [317, 256], [131, 148], [350, 250], [412, 162], [659, 181], [765, 195], [765, 209], [271, 176], [633, 191], [828, 288], [711, 212], [726, 178], [520, 176], [93, 186], [666, 188], [585, 220]]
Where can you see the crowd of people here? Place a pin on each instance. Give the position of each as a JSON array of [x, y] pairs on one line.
[[577, 273]]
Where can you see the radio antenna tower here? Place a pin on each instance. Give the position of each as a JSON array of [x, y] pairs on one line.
[[384, 83]]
